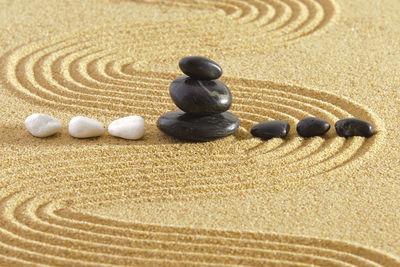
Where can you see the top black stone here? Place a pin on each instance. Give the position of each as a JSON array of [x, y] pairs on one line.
[[200, 68]]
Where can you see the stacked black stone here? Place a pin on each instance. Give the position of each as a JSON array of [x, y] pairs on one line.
[[203, 101]]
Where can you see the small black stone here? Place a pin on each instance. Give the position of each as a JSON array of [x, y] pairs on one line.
[[312, 126], [200, 97], [200, 68], [194, 128], [354, 127], [271, 129]]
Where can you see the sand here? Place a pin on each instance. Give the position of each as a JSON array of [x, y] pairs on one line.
[[324, 201]]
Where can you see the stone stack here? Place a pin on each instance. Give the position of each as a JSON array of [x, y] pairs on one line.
[[203, 102]]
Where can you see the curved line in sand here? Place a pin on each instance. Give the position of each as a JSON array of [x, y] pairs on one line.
[[120, 188], [72, 74], [98, 220], [64, 236], [64, 73], [47, 236], [289, 18], [148, 190]]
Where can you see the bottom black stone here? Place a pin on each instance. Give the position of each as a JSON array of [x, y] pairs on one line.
[[194, 128]]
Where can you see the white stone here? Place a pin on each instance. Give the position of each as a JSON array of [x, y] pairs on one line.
[[42, 125], [131, 127], [83, 127]]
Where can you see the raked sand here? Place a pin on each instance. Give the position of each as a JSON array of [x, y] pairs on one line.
[[325, 201]]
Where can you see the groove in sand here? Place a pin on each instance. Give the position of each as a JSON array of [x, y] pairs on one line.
[[290, 19], [81, 73], [65, 236], [78, 75]]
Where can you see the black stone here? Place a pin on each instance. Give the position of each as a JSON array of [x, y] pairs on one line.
[[194, 128], [271, 129], [312, 126], [200, 68], [354, 127], [200, 97]]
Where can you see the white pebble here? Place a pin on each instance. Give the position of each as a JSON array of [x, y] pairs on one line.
[[83, 127], [42, 125], [131, 127]]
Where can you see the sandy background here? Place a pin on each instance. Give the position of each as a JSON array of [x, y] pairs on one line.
[[105, 201]]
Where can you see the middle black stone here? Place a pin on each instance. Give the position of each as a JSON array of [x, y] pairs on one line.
[[200, 97]]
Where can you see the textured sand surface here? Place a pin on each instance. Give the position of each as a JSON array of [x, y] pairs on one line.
[[325, 201]]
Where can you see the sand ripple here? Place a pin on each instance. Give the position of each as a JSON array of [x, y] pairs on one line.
[[99, 72], [91, 78], [289, 19], [36, 231]]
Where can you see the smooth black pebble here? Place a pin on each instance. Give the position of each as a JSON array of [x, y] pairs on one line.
[[354, 127], [200, 68], [312, 126], [200, 97], [194, 128], [271, 129]]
